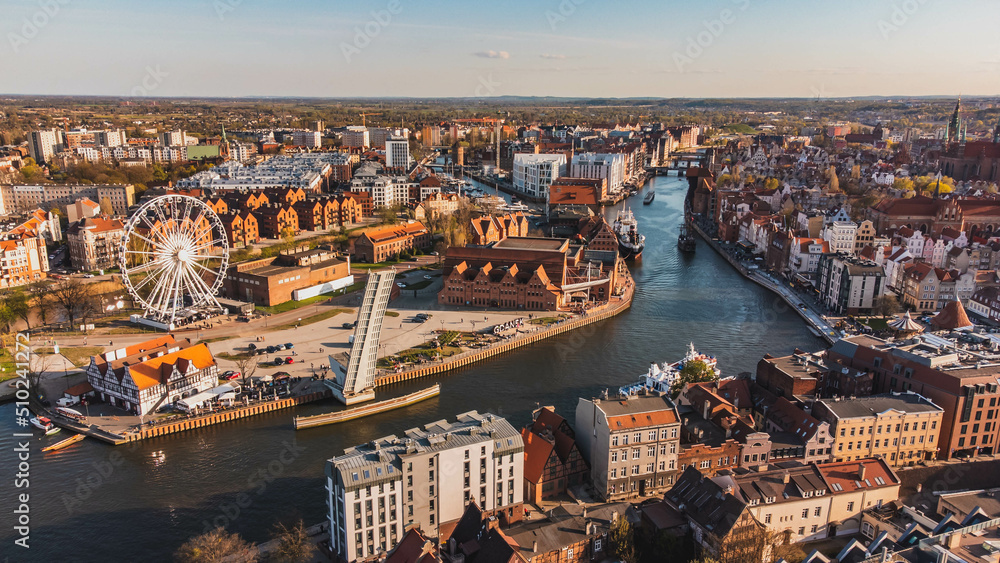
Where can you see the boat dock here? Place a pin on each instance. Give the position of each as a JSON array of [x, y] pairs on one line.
[[367, 410]]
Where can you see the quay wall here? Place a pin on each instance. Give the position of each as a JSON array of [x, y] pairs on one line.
[[473, 357], [746, 273]]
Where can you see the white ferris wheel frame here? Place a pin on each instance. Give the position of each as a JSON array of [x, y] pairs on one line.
[[173, 249]]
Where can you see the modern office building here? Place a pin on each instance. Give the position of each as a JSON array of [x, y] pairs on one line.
[[534, 173], [397, 153]]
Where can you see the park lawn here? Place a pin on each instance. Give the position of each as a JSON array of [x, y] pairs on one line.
[[308, 320], [418, 285], [545, 321], [79, 355], [392, 313], [877, 324], [290, 305], [375, 266], [7, 364]]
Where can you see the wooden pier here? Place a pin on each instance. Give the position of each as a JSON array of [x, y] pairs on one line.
[[367, 410]]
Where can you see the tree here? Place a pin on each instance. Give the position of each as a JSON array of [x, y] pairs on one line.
[[216, 546], [293, 544], [621, 537], [38, 365], [18, 307], [106, 207], [886, 306], [74, 298], [747, 543], [695, 371], [387, 215], [41, 294], [247, 364], [771, 184]]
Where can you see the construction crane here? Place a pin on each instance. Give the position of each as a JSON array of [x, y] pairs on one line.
[[365, 114]]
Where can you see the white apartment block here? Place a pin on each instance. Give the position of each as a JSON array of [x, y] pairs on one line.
[[42, 145], [356, 136], [110, 138], [173, 138], [426, 477], [301, 170], [386, 191], [241, 152], [841, 235], [610, 167], [534, 173], [397, 153], [25, 199], [308, 139]]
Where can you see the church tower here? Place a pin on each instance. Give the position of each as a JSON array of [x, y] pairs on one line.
[[954, 131], [996, 133]]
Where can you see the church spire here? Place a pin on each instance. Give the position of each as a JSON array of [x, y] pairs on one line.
[[955, 125], [996, 133]]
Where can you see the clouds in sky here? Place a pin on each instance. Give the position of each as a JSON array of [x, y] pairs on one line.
[[491, 54], [550, 56]]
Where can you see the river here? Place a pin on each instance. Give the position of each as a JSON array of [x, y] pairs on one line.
[[94, 502]]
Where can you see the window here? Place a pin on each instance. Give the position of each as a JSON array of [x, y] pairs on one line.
[[652, 435], [614, 456], [817, 512], [767, 518], [805, 514], [614, 440], [637, 437], [705, 464]]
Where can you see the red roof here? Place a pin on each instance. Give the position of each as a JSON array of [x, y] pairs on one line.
[[847, 475], [952, 316]]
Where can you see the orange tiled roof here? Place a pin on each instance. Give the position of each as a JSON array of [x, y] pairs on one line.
[[156, 370], [642, 420]]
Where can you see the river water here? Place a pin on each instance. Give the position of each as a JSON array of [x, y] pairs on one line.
[[94, 502]]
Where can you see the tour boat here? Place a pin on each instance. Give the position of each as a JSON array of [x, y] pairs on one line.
[[70, 413], [42, 423], [661, 377], [649, 197], [686, 241]]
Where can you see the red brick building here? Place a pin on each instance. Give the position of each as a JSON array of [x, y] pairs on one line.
[[241, 228], [524, 273], [289, 196], [389, 242], [362, 199], [489, 229], [291, 275], [276, 220], [552, 460], [578, 191], [311, 214]]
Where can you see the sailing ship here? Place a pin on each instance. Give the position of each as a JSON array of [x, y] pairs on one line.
[[630, 242], [686, 240]]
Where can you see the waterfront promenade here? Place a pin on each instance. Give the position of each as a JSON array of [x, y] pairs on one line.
[[812, 315]]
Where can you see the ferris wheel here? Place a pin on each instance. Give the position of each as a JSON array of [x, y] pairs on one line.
[[174, 257]]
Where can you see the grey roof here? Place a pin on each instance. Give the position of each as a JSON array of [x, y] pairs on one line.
[[618, 406], [563, 526], [381, 460], [869, 406], [967, 501]]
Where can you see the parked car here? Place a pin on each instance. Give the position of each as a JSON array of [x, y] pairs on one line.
[[67, 401], [428, 277], [400, 284], [289, 360], [252, 346], [424, 316], [348, 325], [279, 346], [230, 375], [289, 346], [278, 361]]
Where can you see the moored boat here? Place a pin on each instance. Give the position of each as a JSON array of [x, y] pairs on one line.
[[630, 242], [686, 241], [70, 413], [661, 377], [64, 443], [649, 197], [42, 423]]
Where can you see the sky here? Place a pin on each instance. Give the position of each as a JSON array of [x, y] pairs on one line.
[[570, 48]]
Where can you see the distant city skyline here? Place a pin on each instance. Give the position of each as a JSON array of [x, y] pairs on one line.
[[563, 48]]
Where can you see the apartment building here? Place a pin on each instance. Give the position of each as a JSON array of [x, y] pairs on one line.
[[43, 145], [935, 367], [25, 198], [841, 235], [927, 289], [608, 167], [849, 285], [381, 244], [425, 478], [95, 243], [631, 443], [356, 136], [397, 153], [818, 500], [900, 428], [307, 139], [534, 173], [173, 138], [23, 259]]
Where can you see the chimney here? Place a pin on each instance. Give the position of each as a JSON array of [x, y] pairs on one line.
[[585, 512], [785, 477], [614, 516], [452, 546], [534, 546], [861, 471]]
